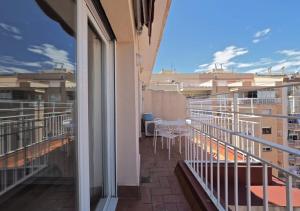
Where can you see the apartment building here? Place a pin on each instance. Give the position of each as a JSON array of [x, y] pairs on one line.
[[210, 82], [70, 136], [56, 85]]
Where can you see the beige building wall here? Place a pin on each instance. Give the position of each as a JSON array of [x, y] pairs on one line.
[[126, 115], [165, 105], [135, 58]]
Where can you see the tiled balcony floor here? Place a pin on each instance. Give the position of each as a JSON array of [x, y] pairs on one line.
[[162, 192]]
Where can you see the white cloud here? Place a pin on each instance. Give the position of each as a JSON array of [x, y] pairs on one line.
[[224, 57], [261, 62], [289, 61], [17, 37], [230, 52], [203, 65], [258, 36], [290, 52], [12, 31], [12, 61], [54, 54], [4, 69], [256, 70], [10, 28], [262, 33], [243, 65], [9, 64]]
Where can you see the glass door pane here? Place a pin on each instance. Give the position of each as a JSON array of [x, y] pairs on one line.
[[37, 101], [95, 60]]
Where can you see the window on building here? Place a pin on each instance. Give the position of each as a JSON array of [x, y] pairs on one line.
[[269, 94], [266, 130], [293, 136], [266, 111], [252, 94], [266, 149]]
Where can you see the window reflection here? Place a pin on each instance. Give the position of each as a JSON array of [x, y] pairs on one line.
[[37, 93]]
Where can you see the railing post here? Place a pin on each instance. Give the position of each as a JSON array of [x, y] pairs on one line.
[[206, 168], [236, 188], [21, 125], [235, 122], [265, 187], [252, 108], [226, 176], [211, 165], [218, 172], [248, 178], [289, 195], [285, 103]]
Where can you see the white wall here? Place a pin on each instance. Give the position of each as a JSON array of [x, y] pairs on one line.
[[165, 105]]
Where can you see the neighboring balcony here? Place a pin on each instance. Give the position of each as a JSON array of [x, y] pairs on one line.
[[253, 101], [237, 158], [294, 126], [294, 143], [36, 151]]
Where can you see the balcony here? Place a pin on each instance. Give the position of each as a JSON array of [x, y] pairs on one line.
[[36, 145], [235, 157], [294, 143], [257, 101], [228, 158], [294, 126]]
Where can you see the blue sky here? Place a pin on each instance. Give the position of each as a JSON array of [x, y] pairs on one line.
[[243, 35], [30, 40]]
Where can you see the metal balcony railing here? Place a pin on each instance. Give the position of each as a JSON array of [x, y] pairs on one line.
[[259, 100], [29, 131], [237, 152]]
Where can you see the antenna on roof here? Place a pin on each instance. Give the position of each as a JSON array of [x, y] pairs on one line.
[[283, 70], [270, 70]]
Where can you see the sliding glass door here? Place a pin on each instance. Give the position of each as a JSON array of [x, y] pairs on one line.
[[96, 124], [96, 116], [38, 79]]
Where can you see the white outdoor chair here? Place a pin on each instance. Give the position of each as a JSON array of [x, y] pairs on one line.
[[165, 132], [156, 128], [182, 131]]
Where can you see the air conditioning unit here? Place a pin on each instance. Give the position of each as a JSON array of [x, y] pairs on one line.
[[149, 128]]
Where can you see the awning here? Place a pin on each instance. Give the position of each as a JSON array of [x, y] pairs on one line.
[[144, 15]]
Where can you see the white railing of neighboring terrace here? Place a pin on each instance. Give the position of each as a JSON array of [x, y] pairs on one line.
[[27, 130], [254, 101], [226, 136]]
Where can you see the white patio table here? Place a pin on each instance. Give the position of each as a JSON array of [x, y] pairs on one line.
[[170, 129]]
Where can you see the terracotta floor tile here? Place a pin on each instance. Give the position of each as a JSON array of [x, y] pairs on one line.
[[172, 198], [171, 207], [162, 192], [164, 182]]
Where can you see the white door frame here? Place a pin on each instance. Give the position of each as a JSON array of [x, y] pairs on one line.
[[84, 16]]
